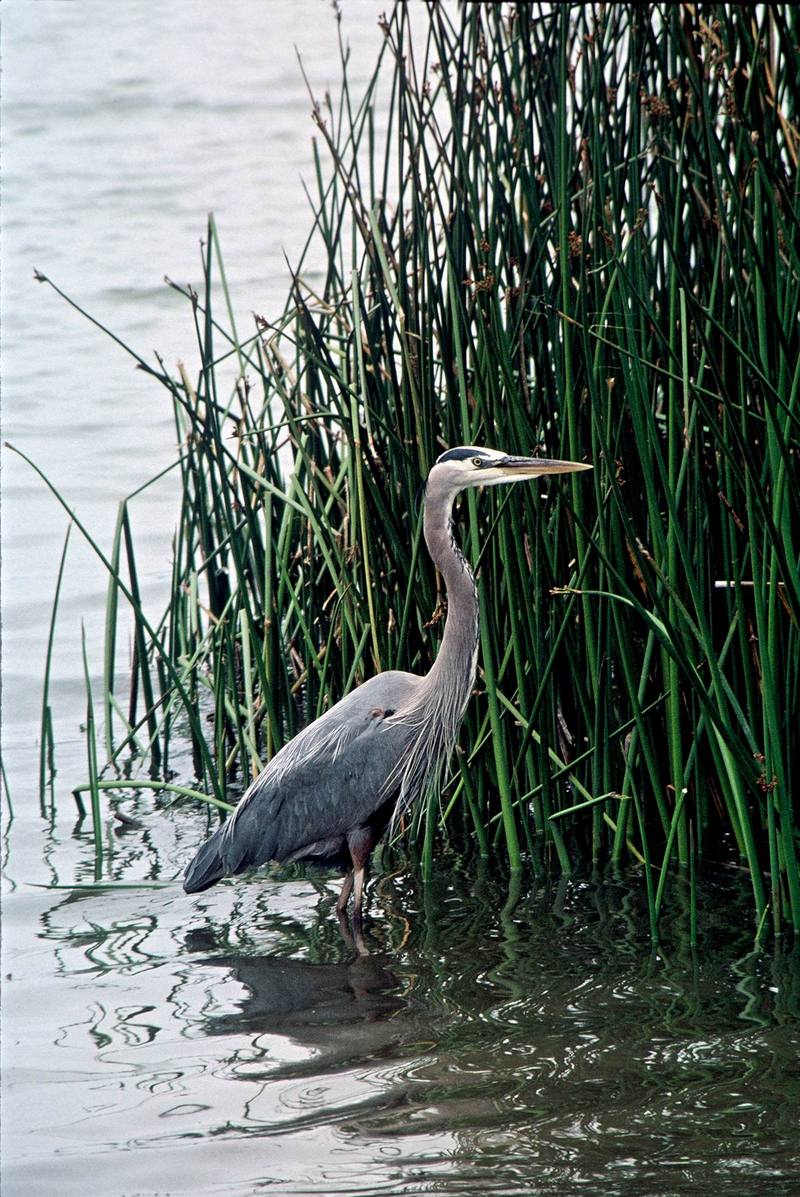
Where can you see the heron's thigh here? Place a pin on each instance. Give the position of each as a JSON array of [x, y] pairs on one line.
[[360, 841]]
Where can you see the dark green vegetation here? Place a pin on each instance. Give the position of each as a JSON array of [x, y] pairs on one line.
[[578, 231]]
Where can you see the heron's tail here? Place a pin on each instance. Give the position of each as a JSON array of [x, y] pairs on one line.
[[247, 839], [206, 869]]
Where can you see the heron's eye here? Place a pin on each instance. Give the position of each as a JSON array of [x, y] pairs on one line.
[[477, 461]]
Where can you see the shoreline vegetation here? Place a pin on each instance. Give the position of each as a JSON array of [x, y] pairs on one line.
[[573, 229]]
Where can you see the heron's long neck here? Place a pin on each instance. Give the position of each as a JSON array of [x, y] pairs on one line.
[[453, 672], [435, 711]]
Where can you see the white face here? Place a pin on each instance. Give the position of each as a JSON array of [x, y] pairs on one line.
[[472, 465]]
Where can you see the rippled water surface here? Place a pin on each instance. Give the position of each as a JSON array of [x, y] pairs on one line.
[[233, 1043], [237, 1041]]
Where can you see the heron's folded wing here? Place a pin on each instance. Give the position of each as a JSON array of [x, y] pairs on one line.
[[331, 777]]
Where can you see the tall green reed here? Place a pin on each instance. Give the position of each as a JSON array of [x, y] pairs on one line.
[[571, 227]]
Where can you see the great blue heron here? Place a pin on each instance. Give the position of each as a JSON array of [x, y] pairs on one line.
[[335, 787]]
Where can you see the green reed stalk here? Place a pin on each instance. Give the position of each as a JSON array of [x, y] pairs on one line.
[[46, 744], [91, 753]]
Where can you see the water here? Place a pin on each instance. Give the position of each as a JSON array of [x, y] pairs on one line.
[[241, 1044], [236, 1042]]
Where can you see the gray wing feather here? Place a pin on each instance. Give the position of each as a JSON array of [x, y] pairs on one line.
[[330, 778]]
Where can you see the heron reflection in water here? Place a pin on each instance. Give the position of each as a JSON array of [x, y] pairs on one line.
[[335, 788]]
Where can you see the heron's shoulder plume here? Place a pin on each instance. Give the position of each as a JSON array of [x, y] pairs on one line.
[[432, 719]]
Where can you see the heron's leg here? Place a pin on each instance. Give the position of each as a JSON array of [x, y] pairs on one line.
[[359, 877], [344, 896], [360, 842]]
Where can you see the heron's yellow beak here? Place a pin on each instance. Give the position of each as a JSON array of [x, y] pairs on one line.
[[534, 467]]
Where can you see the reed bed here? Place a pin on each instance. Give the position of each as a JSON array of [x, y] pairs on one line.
[[571, 228]]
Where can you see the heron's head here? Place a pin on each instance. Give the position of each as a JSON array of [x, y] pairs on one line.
[[469, 465]]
